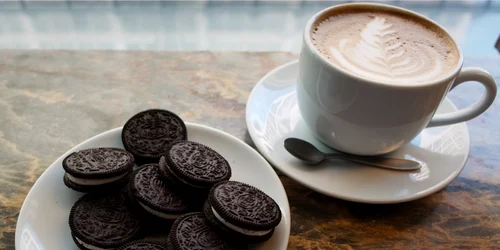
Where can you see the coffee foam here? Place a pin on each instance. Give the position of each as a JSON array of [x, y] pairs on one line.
[[386, 47]]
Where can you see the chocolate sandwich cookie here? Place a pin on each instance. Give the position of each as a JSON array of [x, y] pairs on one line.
[[194, 168], [144, 245], [103, 221], [193, 232], [148, 189], [242, 211], [149, 134], [97, 169]]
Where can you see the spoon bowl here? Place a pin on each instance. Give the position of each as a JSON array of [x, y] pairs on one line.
[[304, 151]]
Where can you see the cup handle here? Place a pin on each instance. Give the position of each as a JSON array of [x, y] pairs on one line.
[[475, 109]]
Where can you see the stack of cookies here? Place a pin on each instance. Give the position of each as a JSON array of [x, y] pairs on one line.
[[178, 186]]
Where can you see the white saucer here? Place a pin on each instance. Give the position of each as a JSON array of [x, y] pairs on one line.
[[43, 221], [272, 116]]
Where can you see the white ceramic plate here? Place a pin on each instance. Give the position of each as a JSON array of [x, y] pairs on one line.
[[43, 221], [272, 116]]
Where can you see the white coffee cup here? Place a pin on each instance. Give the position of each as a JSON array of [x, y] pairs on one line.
[[362, 116]]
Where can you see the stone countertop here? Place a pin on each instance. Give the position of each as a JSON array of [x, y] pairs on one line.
[[52, 100]]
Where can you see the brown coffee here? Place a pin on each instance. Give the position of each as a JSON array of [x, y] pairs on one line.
[[384, 46]]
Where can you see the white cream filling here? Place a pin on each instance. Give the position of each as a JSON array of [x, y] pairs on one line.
[[160, 214], [90, 246], [239, 229], [94, 182]]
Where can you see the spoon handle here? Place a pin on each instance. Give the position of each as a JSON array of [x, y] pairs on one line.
[[381, 162]]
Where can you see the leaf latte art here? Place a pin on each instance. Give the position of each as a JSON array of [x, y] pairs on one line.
[[386, 47]]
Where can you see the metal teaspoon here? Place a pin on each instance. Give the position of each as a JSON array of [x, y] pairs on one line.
[[308, 153]]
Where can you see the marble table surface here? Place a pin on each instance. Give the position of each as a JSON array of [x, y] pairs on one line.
[[52, 100]]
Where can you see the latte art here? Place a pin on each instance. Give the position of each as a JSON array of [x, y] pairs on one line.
[[385, 47], [379, 54]]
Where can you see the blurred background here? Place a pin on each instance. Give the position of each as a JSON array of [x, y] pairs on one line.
[[212, 25]]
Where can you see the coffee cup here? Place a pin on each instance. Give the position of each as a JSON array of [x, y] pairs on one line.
[[371, 77]]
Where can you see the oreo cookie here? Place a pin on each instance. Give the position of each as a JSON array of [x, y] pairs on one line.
[[103, 221], [144, 245], [193, 232], [242, 212], [194, 168], [152, 195], [149, 134], [97, 169]]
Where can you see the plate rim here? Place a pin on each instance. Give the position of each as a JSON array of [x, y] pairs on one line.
[[285, 208], [433, 189]]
